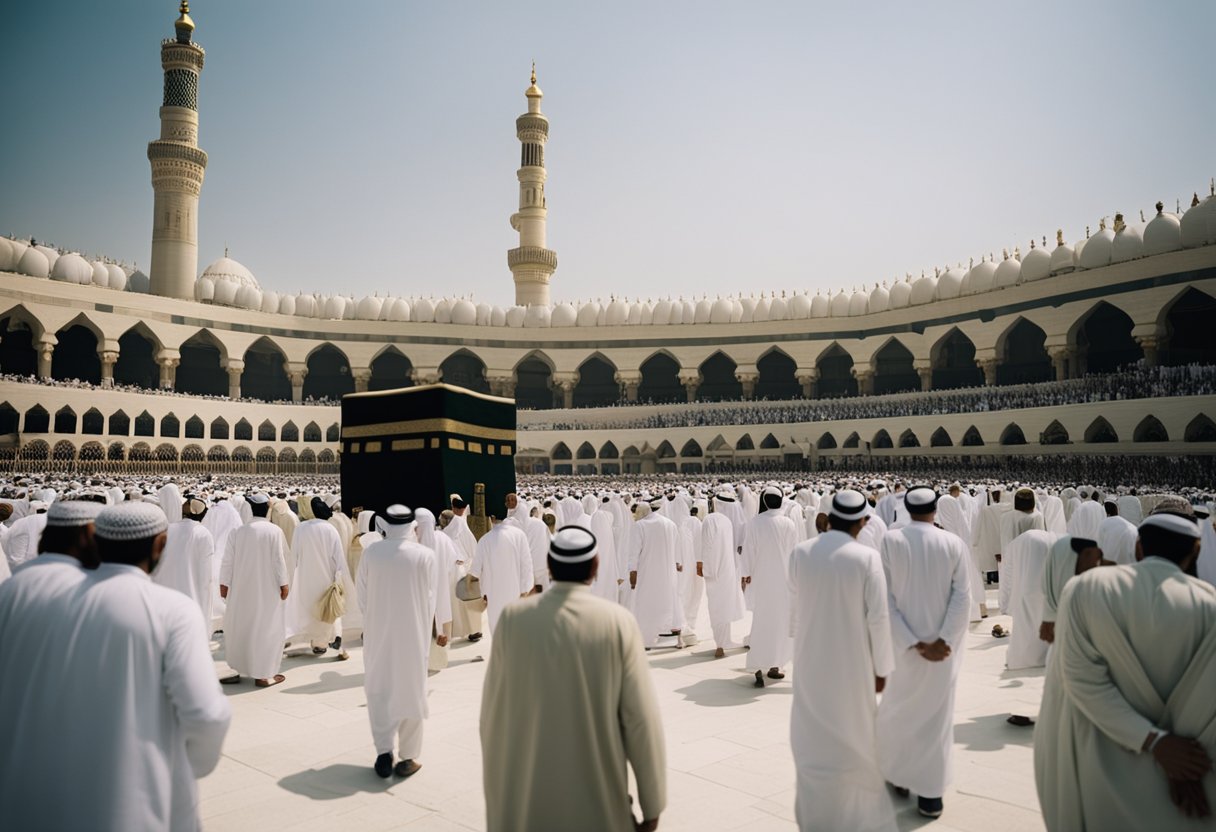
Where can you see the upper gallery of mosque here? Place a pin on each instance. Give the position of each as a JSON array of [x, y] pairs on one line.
[[178, 166]]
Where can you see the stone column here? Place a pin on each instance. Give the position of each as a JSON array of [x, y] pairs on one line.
[[748, 380], [46, 350], [363, 377], [925, 370], [691, 379], [108, 359], [988, 365], [296, 371], [1151, 345], [808, 379], [425, 375], [234, 368], [566, 383], [1060, 358], [168, 360], [629, 383], [865, 381]]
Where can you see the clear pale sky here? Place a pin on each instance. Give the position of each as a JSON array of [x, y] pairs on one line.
[[706, 147]]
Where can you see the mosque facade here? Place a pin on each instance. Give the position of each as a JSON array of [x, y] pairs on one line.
[[1135, 290]]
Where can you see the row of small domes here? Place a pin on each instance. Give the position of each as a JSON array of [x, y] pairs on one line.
[[41, 261]]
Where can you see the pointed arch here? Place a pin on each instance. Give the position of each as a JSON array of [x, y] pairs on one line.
[[561, 451], [1187, 324], [289, 433], [972, 438], [116, 452], [940, 439], [37, 420], [1054, 434], [778, 377], [266, 431], [75, 356], [140, 452], [609, 451], [718, 443], [769, 443], [534, 381], [267, 456], [242, 431], [333, 433], [265, 373], [219, 428], [145, 425], [391, 370], [194, 428], [691, 448], [18, 332], [10, 419], [136, 365], [718, 382], [242, 454], [1023, 356], [745, 443], [326, 456], [92, 451], [1200, 429], [64, 451], [65, 420], [585, 451], [165, 452], [893, 370], [835, 367], [36, 450], [826, 442], [119, 424], [464, 368], [312, 432], [665, 450], [1013, 435], [1100, 431], [882, 439], [1102, 337], [953, 361], [308, 456], [1150, 429], [201, 369], [329, 375], [217, 453], [597, 385], [287, 455], [193, 453], [170, 426], [853, 440], [661, 379]]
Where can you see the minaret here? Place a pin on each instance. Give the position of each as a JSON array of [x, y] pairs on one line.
[[177, 166], [532, 264]]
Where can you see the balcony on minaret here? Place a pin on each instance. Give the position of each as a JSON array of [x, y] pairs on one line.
[[532, 256]]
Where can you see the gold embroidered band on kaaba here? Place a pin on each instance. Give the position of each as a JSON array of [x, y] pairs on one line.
[[428, 426]]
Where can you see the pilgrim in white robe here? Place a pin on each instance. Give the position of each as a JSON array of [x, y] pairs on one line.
[[131, 744], [1086, 520], [929, 596], [562, 726], [654, 548], [986, 536], [220, 520], [538, 545], [399, 584], [952, 518], [460, 533], [23, 539], [1135, 651], [611, 574], [1014, 524], [1205, 567], [718, 567], [283, 517], [185, 565], [1130, 509], [837, 586], [767, 546], [691, 586], [1117, 539], [1024, 561], [255, 623], [320, 562], [1053, 514], [503, 563]]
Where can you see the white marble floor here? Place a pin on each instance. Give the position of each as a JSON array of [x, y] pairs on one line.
[[299, 755]]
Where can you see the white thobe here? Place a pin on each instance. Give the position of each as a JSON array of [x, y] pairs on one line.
[[1014, 524], [929, 595], [1023, 562], [837, 586], [654, 548], [538, 546], [722, 589], [503, 563], [320, 561], [952, 518], [185, 565], [1053, 515], [1117, 539], [23, 539], [1086, 520], [609, 575], [460, 533], [767, 545], [690, 585], [255, 627], [1205, 567], [986, 536], [220, 520], [131, 744], [1130, 508], [398, 589], [873, 532]]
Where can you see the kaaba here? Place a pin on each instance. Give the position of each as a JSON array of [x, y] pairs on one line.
[[418, 445]]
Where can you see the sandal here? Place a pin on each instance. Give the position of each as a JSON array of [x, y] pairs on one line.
[[999, 632], [278, 679], [234, 679]]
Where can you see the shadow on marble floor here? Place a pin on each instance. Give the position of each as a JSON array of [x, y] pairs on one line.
[[336, 781], [330, 680], [717, 693], [991, 733]]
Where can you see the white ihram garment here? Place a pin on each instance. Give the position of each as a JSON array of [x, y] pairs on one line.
[[254, 568], [722, 589], [320, 562], [767, 546], [503, 563], [1023, 563], [654, 547], [185, 565]]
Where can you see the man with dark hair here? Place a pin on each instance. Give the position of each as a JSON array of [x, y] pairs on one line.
[[130, 738], [1130, 681], [838, 587], [253, 581], [560, 725]]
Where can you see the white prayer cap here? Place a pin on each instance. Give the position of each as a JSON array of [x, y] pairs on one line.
[[257, 498], [196, 506], [725, 495], [130, 521], [397, 515], [45, 495], [1176, 523], [920, 499], [773, 491], [656, 503], [572, 544], [71, 513], [849, 505]]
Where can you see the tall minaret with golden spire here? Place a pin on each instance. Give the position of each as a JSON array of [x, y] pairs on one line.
[[177, 166], [532, 265]]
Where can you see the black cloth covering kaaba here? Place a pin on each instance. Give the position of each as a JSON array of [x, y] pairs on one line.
[[418, 445]]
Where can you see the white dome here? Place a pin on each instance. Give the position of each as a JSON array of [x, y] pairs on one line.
[[8, 255], [563, 314], [498, 316], [676, 316], [1097, 250], [249, 297], [287, 305], [306, 306], [588, 313], [880, 299], [736, 311], [139, 283], [228, 269], [369, 308], [924, 290], [118, 278], [1036, 265], [223, 292], [34, 264], [464, 313], [647, 314], [485, 314], [1198, 224], [536, 316], [335, 308], [617, 314], [778, 309], [821, 307], [800, 306], [270, 302], [1007, 272], [749, 309], [51, 256], [1128, 245], [690, 312], [840, 305], [101, 274], [1163, 233], [950, 284], [72, 268], [763, 307], [204, 289], [516, 316], [1063, 258], [662, 312], [704, 311], [720, 312], [443, 311], [979, 278], [399, 310], [900, 294], [859, 304], [423, 311], [19, 247]]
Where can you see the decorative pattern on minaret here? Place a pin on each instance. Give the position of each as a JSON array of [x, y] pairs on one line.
[[532, 264]]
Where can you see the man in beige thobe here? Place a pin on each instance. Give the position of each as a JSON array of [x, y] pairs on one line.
[[558, 725]]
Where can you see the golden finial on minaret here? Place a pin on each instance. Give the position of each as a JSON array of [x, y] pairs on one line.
[[1059, 236], [533, 70], [184, 26], [533, 91]]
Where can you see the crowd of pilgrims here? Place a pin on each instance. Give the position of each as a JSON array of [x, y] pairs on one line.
[[1109, 587], [78, 384], [1137, 381]]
